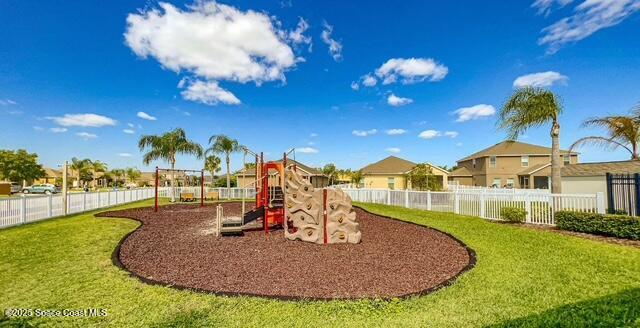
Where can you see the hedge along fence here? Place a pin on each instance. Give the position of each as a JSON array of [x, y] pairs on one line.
[[620, 226]]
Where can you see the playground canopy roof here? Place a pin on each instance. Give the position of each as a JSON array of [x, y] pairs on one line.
[[307, 169]]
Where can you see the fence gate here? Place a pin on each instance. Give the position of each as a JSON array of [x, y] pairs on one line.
[[623, 193]]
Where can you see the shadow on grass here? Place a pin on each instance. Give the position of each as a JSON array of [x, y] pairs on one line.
[[615, 310]]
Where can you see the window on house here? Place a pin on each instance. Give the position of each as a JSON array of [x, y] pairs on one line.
[[492, 161], [566, 159], [524, 160], [473, 161], [391, 182], [510, 183], [497, 183]]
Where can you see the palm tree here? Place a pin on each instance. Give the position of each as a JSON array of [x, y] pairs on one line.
[[356, 178], [117, 173], [98, 166], [80, 168], [531, 107], [166, 147], [212, 164], [330, 171], [132, 174], [221, 144], [622, 131]]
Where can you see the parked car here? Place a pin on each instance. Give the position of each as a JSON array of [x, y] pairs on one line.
[[47, 189], [15, 187]]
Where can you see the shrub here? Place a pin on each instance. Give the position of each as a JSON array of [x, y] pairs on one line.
[[513, 214], [620, 226]]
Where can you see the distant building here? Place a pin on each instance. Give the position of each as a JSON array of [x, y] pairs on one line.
[[313, 175], [510, 164], [391, 173], [51, 176], [591, 178]]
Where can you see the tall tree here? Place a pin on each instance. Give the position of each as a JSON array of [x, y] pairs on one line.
[[99, 167], [356, 177], [82, 170], [221, 144], [330, 171], [532, 107], [212, 164], [117, 174], [133, 174], [621, 132], [19, 166], [165, 147], [422, 178]]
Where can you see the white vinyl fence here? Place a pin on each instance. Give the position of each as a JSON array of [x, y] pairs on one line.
[[25, 209], [464, 188], [540, 207]]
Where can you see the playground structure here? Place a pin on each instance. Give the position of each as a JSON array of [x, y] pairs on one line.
[[284, 199]]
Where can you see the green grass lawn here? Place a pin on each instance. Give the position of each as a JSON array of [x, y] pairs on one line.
[[523, 277]]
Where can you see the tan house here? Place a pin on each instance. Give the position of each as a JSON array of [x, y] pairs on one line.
[[51, 176], [391, 173], [591, 178], [315, 176], [510, 164]]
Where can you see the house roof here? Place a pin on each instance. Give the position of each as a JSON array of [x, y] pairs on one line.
[[312, 171], [533, 169], [393, 165], [52, 173], [600, 168], [511, 147], [461, 172]]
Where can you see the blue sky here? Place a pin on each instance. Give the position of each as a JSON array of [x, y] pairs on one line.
[[282, 74]]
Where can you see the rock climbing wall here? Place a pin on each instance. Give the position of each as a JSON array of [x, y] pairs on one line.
[[304, 215]]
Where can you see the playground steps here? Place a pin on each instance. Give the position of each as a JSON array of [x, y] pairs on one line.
[[278, 198], [231, 227]]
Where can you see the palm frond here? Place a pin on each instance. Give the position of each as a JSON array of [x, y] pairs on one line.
[[606, 143], [526, 108]]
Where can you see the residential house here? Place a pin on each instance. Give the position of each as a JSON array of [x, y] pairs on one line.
[[315, 176], [510, 164], [51, 176], [391, 173], [591, 178]]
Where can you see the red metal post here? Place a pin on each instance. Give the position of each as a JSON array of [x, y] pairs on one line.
[[201, 188], [156, 189], [324, 211]]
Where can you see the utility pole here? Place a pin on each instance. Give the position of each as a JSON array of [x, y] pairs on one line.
[[64, 187]]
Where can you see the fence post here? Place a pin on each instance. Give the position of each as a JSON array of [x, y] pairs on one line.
[[108, 198], [84, 201], [600, 206], [23, 209], [483, 206], [428, 200], [456, 203], [527, 206], [388, 196], [406, 198], [50, 206], [99, 198]]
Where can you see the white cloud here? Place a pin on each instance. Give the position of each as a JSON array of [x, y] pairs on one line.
[[474, 112], [7, 102], [588, 17], [393, 150], [86, 135], [297, 36], [335, 47], [129, 131], [369, 80], [208, 93], [539, 80], [85, 120], [131, 125], [459, 144], [124, 155], [429, 134], [58, 130], [396, 101], [146, 116], [395, 132], [355, 86], [451, 134], [411, 70], [307, 150], [213, 41], [313, 135], [544, 6], [364, 133]]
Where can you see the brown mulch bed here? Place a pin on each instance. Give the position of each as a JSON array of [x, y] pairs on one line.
[[395, 259]]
